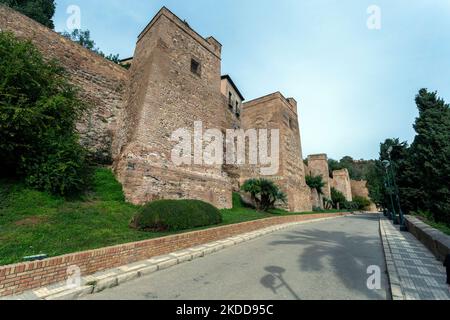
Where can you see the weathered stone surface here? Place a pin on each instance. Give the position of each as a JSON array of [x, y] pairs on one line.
[[359, 189], [274, 111], [316, 199], [164, 96], [134, 113], [318, 166], [341, 182]]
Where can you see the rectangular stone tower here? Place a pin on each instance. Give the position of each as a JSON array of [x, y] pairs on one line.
[[274, 111], [318, 166], [175, 81]]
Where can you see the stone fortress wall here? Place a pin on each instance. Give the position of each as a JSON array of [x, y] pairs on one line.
[[280, 113], [318, 166], [360, 189], [167, 94], [341, 182], [175, 80]]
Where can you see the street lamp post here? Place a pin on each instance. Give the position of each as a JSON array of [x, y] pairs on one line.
[[392, 215], [388, 164]]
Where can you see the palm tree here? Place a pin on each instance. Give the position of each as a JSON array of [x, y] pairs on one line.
[[315, 182], [264, 193]]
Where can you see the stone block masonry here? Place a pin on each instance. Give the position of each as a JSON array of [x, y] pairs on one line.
[[341, 182], [274, 111], [360, 189], [318, 166], [175, 82], [102, 82], [18, 278]]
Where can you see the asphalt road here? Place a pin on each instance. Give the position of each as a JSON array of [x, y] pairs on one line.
[[323, 260]]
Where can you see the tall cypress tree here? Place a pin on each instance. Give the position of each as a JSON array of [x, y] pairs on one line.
[[41, 11], [430, 153]]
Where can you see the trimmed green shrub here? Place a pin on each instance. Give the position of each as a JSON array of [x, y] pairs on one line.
[[176, 215]]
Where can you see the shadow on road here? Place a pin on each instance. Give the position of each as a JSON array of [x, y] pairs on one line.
[[275, 281], [348, 253]]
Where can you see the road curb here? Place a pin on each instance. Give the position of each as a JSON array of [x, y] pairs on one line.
[[115, 277], [393, 275]]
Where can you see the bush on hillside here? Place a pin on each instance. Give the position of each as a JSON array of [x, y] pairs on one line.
[[361, 202], [176, 215], [39, 110]]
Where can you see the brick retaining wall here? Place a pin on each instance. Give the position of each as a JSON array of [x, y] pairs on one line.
[[18, 278], [436, 241]]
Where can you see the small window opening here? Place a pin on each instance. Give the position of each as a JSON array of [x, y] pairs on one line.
[[291, 124], [195, 67]]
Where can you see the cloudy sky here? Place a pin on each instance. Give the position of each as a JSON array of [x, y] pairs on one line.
[[355, 86]]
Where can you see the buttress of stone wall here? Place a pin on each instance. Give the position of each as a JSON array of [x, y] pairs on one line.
[[360, 189], [318, 166], [167, 95], [275, 112], [102, 82], [316, 199], [341, 182]]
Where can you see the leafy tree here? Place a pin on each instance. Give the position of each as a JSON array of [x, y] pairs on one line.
[[264, 193], [430, 154], [402, 169], [39, 109], [422, 170], [337, 198], [357, 169], [83, 38], [315, 182], [41, 11], [369, 170], [361, 202], [375, 183], [334, 165]]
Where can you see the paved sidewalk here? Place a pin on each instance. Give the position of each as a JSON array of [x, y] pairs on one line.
[[414, 272]]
